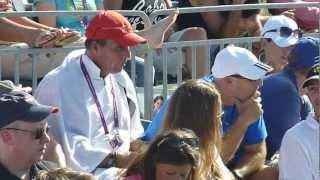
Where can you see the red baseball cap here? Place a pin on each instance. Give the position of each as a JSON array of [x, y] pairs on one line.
[[112, 25]]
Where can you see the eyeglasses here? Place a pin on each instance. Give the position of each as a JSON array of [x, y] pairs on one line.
[[37, 134], [178, 142], [286, 32]]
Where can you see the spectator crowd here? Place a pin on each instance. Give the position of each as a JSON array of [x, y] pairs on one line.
[[246, 114]]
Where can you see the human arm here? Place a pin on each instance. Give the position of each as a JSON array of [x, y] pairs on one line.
[[249, 112], [252, 160], [12, 31], [112, 4]]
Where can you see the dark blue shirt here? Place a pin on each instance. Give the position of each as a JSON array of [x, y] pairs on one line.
[[282, 106]]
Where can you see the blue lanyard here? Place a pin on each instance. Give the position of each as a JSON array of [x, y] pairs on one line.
[[97, 102]]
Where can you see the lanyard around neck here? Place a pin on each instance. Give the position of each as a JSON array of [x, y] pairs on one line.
[[96, 100]]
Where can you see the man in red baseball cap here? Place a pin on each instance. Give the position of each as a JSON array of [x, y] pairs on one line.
[[99, 115]]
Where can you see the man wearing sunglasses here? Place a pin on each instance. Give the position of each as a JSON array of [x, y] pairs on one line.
[[23, 133], [282, 104], [279, 35]]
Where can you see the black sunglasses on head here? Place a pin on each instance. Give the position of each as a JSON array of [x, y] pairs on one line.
[[38, 133], [286, 32]]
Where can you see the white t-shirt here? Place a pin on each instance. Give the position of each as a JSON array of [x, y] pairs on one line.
[[77, 126], [300, 151]]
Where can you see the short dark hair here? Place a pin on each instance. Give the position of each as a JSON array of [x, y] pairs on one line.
[[88, 43]]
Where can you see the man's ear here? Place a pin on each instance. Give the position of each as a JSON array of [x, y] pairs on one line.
[[6, 137]]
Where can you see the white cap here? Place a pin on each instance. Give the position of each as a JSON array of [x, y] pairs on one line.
[[276, 22], [234, 60]]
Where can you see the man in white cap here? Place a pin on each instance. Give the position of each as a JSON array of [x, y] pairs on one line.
[[237, 75], [280, 34]]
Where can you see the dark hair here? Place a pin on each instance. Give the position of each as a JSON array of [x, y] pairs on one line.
[[177, 147], [88, 43], [157, 98]]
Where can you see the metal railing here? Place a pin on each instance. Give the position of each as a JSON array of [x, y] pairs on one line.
[[148, 72]]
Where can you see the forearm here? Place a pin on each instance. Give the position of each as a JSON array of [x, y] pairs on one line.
[[232, 140], [249, 163], [11, 31], [28, 22]]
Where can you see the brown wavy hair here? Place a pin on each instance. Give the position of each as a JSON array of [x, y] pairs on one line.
[[196, 105]]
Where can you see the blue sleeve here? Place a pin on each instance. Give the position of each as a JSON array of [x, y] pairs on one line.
[[154, 127], [256, 132]]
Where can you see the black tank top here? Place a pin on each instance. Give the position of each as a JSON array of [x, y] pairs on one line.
[[195, 19], [148, 6]]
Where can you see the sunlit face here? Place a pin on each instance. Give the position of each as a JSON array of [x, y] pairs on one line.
[[245, 88], [112, 56], [173, 172], [276, 56], [313, 92], [26, 146]]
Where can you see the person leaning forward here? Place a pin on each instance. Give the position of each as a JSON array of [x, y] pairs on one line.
[[99, 114]]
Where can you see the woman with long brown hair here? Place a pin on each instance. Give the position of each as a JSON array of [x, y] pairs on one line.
[[196, 105]]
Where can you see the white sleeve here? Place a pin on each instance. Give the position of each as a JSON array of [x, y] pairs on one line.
[[294, 163], [80, 153]]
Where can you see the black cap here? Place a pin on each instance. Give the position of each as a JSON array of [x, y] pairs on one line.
[[19, 105], [313, 74]]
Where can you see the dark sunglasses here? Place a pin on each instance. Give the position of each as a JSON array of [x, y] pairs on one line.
[[37, 134], [286, 32], [178, 142]]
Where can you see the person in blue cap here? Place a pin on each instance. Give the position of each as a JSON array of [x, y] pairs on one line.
[[280, 93], [23, 133]]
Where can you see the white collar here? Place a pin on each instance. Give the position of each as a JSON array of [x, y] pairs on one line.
[[92, 68], [314, 124]]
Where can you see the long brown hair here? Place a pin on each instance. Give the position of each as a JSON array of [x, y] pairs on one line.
[[177, 147], [196, 105]]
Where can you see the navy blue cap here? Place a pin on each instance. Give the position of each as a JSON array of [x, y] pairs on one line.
[[305, 53], [18, 105], [313, 74]]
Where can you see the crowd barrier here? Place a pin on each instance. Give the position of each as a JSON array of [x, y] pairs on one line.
[[146, 93]]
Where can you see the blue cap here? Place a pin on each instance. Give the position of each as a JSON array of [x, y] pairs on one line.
[[18, 105], [305, 53]]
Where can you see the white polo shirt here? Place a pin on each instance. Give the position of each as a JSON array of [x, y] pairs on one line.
[[300, 151]]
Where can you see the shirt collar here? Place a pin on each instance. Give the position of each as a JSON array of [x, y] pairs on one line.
[[92, 68], [312, 122]]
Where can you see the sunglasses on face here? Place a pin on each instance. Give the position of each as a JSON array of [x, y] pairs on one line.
[[37, 134], [178, 142], [286, 32]]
